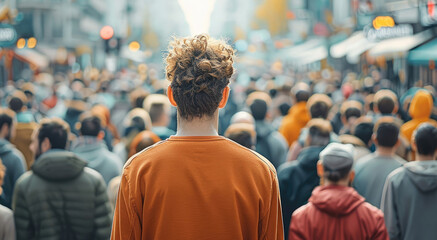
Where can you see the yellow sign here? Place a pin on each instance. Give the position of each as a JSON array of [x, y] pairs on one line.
[[383, 21]]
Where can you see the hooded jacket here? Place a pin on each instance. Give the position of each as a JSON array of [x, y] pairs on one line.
[[14, 163], [61, 199], [98, 157], [296, 119], [409, 201], [297, 179], [337, 212], [420, 112], [270, 143]]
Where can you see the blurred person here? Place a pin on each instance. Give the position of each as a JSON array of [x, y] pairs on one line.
[[385, 103], [298, 115], [24, 127], [137, 120], [408, 199], [372, 170], [141, 141], [319, 106], [335, 210], [243, 134], [206, 184], [242, 117], [159, 109], [7, 226], [75, 107], [111, 133], [420, 111], [360, 137], [269, 142], [297, 179], [60, 198], [89, 146], [12, 158], [350, 111]]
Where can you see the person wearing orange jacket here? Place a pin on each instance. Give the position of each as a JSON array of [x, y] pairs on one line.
[[298, 115], [197, 184], [420, 112]]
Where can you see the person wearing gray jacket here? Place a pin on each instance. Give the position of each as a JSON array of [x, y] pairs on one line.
[[7, 226], [91, 148], [410, 192], [60, 198]]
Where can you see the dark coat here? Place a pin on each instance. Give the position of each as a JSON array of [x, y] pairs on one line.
[[61, 199], [297, 179], [14, 163]]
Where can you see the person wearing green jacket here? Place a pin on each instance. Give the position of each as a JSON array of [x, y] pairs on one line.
[[60, 198]]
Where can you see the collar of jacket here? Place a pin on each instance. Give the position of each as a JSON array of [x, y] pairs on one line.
[[58, 165]]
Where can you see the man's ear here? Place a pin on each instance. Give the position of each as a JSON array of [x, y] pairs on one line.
[[170, 96], [320, 170], [225, 97], [101, 135], [351, 176]]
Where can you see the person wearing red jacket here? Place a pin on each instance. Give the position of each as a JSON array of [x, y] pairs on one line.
[[335, 210]]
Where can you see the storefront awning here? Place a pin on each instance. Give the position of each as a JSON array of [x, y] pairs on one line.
[[342, 48], [424, 54], [33, 57], [311, 51], [398, 47]]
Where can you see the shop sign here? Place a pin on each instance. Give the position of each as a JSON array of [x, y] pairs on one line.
[[8, 35], [382, 33]]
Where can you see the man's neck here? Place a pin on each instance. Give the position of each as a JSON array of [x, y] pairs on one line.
[[206, 126], [423, 158], [385, 151]]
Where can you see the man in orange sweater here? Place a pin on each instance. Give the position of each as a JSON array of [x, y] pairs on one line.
[[197, 184]]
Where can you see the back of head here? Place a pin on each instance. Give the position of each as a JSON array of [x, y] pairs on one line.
[[337, 161], [385, 101], [351, 108], [302, 96], [7, 116], [17, 101], [319, 132], [319, 105], [199, 69], [387, 132], [363, 129], [141, 141], [90, 126], [242, 133], [259, 109], [56, 130], [242, 117], [425, 138]]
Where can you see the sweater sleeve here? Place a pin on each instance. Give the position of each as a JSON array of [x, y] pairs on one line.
[[102, 218], [388, 207], [272, 227], [22, 217], [126, 223]]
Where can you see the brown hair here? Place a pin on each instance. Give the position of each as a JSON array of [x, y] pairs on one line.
[[199, 68]]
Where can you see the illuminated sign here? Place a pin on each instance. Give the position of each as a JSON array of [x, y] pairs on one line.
[[428, 13], [383, 21], [401, 30], [8, 35]]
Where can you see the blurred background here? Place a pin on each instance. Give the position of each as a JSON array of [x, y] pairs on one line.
[[302, 39]]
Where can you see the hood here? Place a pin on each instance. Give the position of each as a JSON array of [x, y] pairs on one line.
[[262, 129], [423, 174], [300, 112], [5, 146], [309, 157], [58, 165], [421, 105], [336, 200]]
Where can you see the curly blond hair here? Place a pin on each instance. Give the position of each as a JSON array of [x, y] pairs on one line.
[[199, 68]]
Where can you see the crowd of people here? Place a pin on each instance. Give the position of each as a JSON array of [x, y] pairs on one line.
[[199, 155]]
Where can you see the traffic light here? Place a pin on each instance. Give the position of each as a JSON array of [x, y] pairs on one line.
[[112, 45]]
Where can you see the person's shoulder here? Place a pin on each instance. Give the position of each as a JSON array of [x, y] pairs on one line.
[[396, 175], [303, 211], [143, 156], [371, 211], [93, 176], [287, 168], [5, 213]]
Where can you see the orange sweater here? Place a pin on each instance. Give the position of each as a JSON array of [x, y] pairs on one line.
[[198, 188]]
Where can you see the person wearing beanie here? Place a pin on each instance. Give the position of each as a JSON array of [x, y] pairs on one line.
[[420, 112], [410, 192], [335, 210]]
